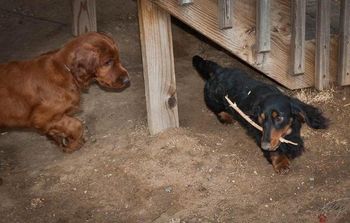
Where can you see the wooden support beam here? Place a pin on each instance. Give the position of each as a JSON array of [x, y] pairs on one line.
[[344, 44], [263, 34], [323, 24], [158, 66], [225, 14], [298, 14], [84, 16], [184, 2]]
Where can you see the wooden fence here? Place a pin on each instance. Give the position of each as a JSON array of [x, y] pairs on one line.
[[267, 34]]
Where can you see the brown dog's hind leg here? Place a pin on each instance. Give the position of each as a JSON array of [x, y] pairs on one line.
[[67, 132]]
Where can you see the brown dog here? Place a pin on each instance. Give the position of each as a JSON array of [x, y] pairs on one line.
[[44, 92]]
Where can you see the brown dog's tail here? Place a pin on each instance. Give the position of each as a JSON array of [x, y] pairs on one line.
[[205, 68]]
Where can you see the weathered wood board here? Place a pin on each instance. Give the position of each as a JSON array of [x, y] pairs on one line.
[[84, 16], [202, 15], [158, 67]]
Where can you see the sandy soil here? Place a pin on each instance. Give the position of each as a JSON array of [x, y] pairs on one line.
[[201, 172]]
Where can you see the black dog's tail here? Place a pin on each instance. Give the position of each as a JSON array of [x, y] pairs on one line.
[[205, 68]]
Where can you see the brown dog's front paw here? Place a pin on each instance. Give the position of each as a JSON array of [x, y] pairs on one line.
[[72, 146], [280, 163]]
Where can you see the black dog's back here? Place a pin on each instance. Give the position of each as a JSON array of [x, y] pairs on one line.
[[232, 82]]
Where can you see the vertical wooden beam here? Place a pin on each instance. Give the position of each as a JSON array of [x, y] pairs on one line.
[[298, 37], [158, 66], [263, 26], [84, 16], [225, 14], [184, 2], [323, 23], [344, 44]]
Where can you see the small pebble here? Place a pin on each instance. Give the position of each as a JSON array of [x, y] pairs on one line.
[[168, 189]]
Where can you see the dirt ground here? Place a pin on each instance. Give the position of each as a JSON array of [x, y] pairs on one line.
[[201, 172]]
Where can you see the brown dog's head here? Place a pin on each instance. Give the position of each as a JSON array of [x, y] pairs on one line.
[[95, 56]]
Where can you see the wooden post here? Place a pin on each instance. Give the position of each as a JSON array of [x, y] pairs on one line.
[[323, 23], [184, 2], [158, 67], [344, 44], [297, 47], [263, 26], [84, 16], [225, 14]]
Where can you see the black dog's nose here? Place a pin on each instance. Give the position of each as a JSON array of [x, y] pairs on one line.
[[265, 145]]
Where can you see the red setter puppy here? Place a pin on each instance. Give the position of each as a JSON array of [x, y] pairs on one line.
[[44, 92]]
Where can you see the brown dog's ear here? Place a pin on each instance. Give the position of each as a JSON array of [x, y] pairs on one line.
[[84, 64]]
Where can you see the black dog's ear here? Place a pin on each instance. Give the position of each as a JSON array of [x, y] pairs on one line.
[[309, 114], [256, 110]]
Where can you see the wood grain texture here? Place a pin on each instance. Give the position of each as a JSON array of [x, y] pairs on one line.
[[322, 53], [202, 16], [225, 13], [263, 26], [298, 17], [344, 44], [84, 16], [158, 67]]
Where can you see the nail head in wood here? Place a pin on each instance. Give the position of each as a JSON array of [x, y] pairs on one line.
[[185, 2]]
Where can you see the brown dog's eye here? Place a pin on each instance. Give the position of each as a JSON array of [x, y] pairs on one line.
[[109, 62]]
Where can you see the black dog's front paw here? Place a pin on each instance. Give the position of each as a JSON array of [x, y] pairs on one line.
[[280, 163]]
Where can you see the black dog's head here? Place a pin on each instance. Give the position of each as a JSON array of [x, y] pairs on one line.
[[276, 114]]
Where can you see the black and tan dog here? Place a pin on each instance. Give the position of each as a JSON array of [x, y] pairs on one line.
[[278, 114]]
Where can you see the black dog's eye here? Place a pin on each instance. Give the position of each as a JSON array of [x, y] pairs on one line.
[[109, 62], [279, 119]]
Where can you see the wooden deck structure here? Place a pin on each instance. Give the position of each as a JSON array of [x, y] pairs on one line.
[[268, 35]]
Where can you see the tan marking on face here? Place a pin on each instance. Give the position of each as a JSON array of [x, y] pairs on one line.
[[276, 134], [274, 114], [261, 118]]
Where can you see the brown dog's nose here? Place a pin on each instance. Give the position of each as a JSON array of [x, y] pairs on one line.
[[126, 81]]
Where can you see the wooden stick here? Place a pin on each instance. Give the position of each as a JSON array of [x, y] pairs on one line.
[[246, 117]]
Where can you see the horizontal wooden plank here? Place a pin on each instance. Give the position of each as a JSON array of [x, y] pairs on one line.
[[202, 16]]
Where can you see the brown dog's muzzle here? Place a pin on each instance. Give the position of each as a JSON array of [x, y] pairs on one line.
[[115, 79]]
